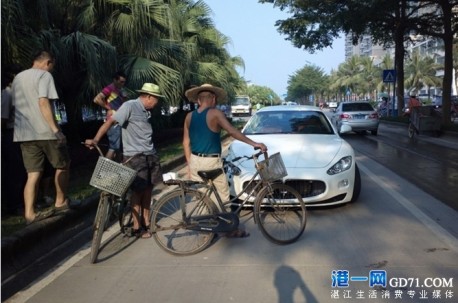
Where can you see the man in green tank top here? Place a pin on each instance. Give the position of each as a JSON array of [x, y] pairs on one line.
[[202, 137]]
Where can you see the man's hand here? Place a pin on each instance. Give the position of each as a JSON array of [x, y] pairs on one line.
[[261, 146], [90, 143], [61, 139]]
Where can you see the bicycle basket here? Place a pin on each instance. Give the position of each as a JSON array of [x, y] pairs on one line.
[[112, 177], [275, 170]]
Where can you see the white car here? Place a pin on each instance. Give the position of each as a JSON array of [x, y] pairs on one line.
[[320, 164]]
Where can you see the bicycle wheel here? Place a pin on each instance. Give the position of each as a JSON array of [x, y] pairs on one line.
[[169, 222], [280, 217], [100, 224]]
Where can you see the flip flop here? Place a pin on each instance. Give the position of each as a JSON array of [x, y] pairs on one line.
[[67, 205], [238, 233], [39, 216], [63, 208], [146, 235]]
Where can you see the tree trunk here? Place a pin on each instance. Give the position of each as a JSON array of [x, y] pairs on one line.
[[399, 55], [448, 61]]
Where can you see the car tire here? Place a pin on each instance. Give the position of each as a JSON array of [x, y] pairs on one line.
[[374, 132], [356, 185]]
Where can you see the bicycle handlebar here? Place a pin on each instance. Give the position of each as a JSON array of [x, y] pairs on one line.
[[96, 146]]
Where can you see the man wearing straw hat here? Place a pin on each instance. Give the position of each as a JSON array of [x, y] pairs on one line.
[[202, 138], [138, 151]]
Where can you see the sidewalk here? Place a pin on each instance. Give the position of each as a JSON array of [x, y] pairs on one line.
[[27, 245]]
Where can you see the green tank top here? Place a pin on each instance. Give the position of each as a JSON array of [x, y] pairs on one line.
[[203, 139]]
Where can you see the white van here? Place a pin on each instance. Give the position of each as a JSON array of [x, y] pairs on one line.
[[241, 106]]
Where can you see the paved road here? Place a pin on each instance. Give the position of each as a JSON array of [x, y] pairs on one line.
[[395, 226]]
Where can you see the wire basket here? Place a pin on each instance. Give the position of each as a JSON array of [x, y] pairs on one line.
[[274, 170], [112, 177]]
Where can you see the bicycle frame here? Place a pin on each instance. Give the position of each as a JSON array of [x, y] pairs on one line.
[[210, 189]]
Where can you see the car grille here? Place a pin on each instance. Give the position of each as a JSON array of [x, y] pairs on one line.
[[306, 188]]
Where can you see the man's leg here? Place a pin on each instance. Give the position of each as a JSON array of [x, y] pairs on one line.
[[146, 203], [61, 183], [135, 201], [30, 194]]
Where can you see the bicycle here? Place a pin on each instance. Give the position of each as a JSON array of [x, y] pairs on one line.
[[185, 220], [114, 180]]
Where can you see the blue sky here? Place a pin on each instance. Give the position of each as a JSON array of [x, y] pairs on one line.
[[269, 58]]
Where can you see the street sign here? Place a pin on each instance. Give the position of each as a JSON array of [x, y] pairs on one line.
[[389, 76]]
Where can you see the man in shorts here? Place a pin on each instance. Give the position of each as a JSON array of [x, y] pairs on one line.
[[111, 98], [139, 151], [38, 132]]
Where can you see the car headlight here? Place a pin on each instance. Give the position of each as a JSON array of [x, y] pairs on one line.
[[341, 166]]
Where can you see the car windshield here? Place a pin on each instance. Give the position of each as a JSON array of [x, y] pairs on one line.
[[356, 107], [288, 122], [241, 101]]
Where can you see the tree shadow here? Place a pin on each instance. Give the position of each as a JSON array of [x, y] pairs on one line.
[[287, 280]]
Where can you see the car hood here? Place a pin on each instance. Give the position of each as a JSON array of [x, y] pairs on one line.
[[298, 151]]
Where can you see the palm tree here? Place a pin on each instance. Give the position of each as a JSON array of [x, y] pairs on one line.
[[347, 76], [369, 77], [421, 72]]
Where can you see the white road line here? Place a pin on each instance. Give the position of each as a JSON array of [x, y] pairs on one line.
[[438, 230]]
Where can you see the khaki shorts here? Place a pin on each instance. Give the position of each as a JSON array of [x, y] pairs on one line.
[[203, 163], [148, 169], [34, 153]]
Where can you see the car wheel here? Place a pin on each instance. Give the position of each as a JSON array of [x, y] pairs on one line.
[[374, 132], [356, 185]]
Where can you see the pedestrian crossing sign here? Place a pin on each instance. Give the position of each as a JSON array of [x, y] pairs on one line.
[[389, 75]]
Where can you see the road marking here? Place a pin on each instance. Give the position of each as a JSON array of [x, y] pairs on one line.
[[438, 230]]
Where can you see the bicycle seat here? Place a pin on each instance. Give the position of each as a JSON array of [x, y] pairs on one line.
[[210, 174]]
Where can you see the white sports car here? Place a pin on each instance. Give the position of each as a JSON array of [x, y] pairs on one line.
[[320, 164]]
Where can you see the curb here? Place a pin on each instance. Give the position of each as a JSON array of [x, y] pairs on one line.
[[25, 246]]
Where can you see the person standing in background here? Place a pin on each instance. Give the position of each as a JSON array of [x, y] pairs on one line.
[[111, 98], [36, 128], [139, 152]]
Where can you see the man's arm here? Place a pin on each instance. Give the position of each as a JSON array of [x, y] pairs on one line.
[[221, 120], [100, 100], [46, 111], [187, 140], [100, 133]]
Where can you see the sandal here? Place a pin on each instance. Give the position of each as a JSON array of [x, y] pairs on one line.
[[146, 234], [39, 216], [68, 204], [238, 233]]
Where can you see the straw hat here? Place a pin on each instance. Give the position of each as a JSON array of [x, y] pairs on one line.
[[192, 93], [151, 89]]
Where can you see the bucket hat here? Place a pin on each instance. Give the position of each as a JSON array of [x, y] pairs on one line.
[[151, 89], [192, 93]]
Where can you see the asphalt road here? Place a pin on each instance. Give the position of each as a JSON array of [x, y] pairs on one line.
[[398, 225]]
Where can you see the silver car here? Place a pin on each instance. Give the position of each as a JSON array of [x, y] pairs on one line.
[[360, 116]]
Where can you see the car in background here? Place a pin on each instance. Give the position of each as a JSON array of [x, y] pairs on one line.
[[320, 164], [241, 106], [332, 105], [359, 115]]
